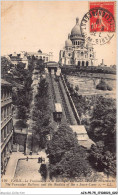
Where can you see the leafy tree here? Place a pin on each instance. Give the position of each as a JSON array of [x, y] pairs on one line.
[[103, 120], [103, 86], [22, 112], [102, 159], [103, 128], [41, 115], [5, 66], [66, 157], [42, 88], [77, 88]]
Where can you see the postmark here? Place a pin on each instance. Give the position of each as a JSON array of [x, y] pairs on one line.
[[98, 25], [102, 20]]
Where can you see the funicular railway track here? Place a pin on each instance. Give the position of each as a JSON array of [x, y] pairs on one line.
[[69, 119], [59, 96], [52, 89]]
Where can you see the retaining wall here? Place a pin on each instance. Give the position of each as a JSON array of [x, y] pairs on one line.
[[71, 101]]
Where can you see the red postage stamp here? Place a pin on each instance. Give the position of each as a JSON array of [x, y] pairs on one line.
[[102, 16]]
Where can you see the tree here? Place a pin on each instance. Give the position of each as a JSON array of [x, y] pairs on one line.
[[42, 88], [62, 140], [102, 159], [66, 157], [103, 128], [22, 112], [103, 121], [41, 115], [5, 66], [103, 86], [77, 88]]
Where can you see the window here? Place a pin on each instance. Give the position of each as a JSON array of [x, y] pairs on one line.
[[78, 42], [90, 55], [2, 135], [2, 114], [78, 63], [82, 63], [5, 112], [5, 135], [7, 130], [10, 94], [7, 94], [2, 94], [87, 63], [82, 53]]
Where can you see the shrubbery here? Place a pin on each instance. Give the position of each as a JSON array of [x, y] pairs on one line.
[[103, 86]]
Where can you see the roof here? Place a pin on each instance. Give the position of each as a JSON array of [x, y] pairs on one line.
[[68, 43], [79, 129], [58, 107], [86, 144], [82, 136], [52, 64], [5, 83], [76, 28], [37, 53]]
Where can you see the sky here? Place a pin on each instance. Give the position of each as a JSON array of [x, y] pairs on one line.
[[34, 25]]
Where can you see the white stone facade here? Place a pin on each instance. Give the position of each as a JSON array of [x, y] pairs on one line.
[[77, 51]]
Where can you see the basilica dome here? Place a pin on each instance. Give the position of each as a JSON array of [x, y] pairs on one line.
[[76, 28], [68, 42]]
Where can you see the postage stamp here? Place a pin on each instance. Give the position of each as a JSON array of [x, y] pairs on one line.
[[102, 16], [98, 24]]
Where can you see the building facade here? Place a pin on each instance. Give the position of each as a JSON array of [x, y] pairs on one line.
[[19, 58], [76, 50], [6, 124], [41, 56]]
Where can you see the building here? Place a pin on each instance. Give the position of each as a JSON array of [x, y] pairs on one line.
[[41, 56], [82, 136], [76, 50], [52, 66], [6, 124], [102, 64], [19, 58]]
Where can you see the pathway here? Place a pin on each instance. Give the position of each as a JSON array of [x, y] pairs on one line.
[[35, 78], [13, 165]]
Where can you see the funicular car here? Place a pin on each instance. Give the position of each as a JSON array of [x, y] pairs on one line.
[[57, 114]]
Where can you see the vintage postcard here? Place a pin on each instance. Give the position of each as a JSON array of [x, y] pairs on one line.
[[58, 94]]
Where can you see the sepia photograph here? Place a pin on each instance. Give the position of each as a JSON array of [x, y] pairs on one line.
[[58, 94]]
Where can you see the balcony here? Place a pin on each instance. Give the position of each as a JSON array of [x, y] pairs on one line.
[[4, 123], [5, 102], [3, 144]]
